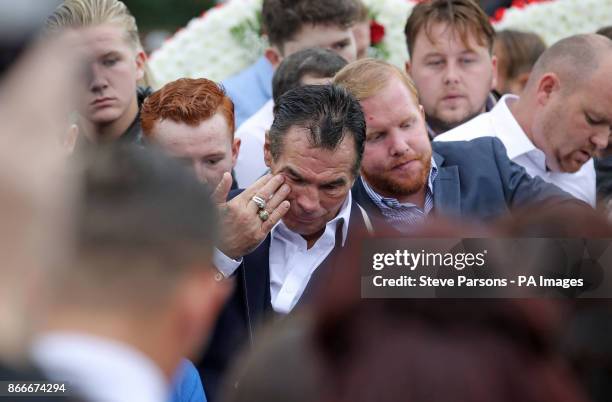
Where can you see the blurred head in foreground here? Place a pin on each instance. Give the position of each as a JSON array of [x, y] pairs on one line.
[[444, 350], [140, 272]]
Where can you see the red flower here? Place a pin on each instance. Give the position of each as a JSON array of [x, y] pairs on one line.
[[377, 32], [499, 14]]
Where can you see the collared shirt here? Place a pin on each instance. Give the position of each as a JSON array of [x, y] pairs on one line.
[[291, 262], [402, 216], [250, 165], [489, 105], [101, 370], [500, 123]]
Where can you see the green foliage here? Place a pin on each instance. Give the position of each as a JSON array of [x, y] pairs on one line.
[[166, 14]]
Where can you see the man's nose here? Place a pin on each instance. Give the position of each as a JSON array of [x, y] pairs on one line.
[[601, 138], [451, 73], [398, 144], [97, 79], [308, 199]]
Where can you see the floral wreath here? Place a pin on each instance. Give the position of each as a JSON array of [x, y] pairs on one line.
[[226, 39]]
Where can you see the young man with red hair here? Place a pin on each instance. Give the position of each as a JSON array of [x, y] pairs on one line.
[[193, 120]]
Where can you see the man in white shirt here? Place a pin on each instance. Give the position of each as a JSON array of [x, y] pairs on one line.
[[562, 119], [138, 293], [314, 148], [306, 67]]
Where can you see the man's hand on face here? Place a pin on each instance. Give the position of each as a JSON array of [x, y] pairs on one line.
[[242, 228]]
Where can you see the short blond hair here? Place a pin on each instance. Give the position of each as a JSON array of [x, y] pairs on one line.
[[84, 13], [366, 77]]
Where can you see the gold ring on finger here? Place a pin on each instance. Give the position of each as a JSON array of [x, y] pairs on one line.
[[263, 215]]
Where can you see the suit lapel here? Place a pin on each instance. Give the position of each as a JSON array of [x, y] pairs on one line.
[[256, 283], [447, 190]]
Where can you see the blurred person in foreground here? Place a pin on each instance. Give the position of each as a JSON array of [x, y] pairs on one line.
[[193, 120], [450, 44], [561, 120], [306, 67], [35, 198], [516, 52], [445, 350], [603, 164], [290, 26], [116, 82], [405, 178], [138, 291]]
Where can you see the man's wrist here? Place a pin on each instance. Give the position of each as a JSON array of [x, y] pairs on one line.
[[226, 266]]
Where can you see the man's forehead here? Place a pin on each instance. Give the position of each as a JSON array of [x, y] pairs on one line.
[[464, 38], [321, 34], [394, 99], [213, 130], [299, 153]]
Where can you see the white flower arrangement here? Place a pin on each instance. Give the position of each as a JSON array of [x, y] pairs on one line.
[[554, 20], [225, 39]]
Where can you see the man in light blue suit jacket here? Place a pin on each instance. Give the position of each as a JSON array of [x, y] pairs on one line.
[[250, 89], [403, 180]]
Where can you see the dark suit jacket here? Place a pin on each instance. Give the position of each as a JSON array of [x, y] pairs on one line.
[[250, 304], [475, 180]]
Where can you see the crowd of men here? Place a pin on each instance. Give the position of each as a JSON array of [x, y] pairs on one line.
[[153, 233]]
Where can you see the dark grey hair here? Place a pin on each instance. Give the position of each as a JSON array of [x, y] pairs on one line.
[[319, 63], [329, 112]]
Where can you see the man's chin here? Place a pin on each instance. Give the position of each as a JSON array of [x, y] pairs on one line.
[[447, 120], [303, 228]]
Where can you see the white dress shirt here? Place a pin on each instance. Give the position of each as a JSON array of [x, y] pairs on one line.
[[291, 262], [100, 369], [250, 165], [500, 123]]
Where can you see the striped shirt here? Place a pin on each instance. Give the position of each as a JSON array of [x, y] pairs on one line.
[[402, 216]]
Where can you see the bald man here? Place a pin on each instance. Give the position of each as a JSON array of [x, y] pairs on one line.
[[562, 119]]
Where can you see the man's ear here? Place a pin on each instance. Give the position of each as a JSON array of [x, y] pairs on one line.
[[267, 153], [141, 59], [547, 85], [494, 66], [235, 151], [273, 55]]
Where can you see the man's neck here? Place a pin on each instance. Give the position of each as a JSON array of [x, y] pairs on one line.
[[417, 198], [523, 114], [312, 239]]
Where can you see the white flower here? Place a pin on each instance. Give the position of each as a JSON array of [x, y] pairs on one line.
[[559, 19], [207, 48]]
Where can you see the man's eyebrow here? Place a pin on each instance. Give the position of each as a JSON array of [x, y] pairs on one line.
[[292, 172], [110, 53], [214, 155], [337, 182]]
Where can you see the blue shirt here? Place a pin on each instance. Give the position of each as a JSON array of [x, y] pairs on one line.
[[250, 89], [404, 215], [187, 385]]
